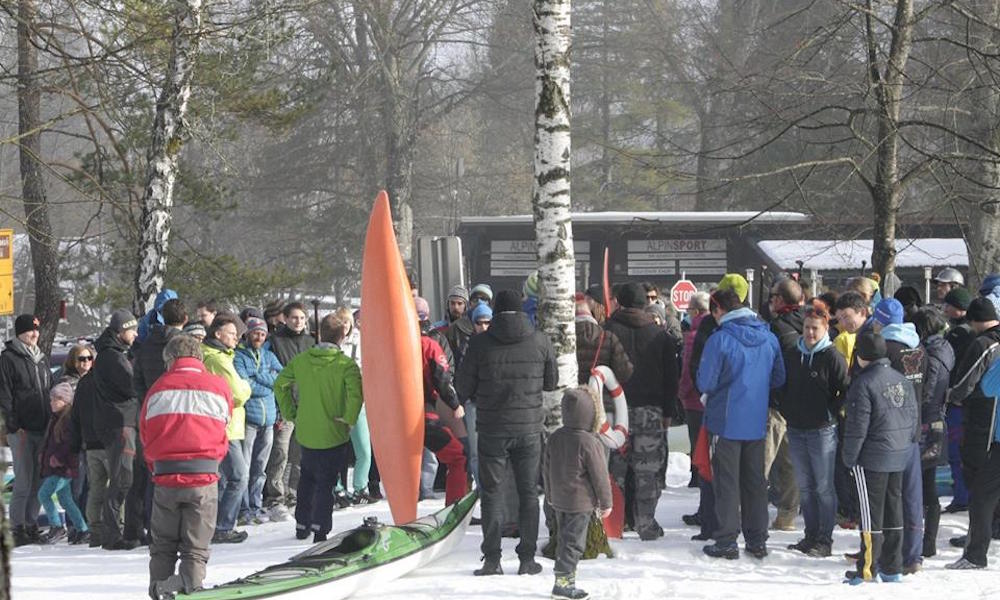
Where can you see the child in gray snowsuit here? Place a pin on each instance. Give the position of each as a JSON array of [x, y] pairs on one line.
[[575, 471]]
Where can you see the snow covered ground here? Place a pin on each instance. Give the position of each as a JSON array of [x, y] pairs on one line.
[[673, 567]]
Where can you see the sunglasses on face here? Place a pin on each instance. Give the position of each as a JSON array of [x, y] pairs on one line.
[[482, 323], [84, 358]]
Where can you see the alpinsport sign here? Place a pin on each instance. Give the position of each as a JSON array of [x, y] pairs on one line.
[[674, 257]]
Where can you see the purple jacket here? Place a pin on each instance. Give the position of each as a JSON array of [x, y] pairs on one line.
[[690, 398], [57, 458]]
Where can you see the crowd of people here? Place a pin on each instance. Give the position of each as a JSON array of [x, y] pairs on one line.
[[180, 433]]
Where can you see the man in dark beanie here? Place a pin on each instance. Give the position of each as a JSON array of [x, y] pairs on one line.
[[959, 336], [651, 394], [966, 393], [882, 424], [505, 371], [118, 409], [24, 400]]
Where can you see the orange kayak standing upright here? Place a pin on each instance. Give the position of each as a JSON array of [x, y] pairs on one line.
[[391, 372]]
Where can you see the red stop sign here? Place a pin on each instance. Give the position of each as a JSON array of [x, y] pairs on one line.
[[681, 293]]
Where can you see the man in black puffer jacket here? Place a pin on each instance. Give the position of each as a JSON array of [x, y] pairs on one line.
[[966, 392], [651, 394], [25, 380], [881, 427], [118, 421], [505, 371]]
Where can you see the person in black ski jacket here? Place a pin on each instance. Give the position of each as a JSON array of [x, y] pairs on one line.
[[815, 384], [651, 394], [116, 424], [879, 432], [965, 391], [148, 354], [25, 380], [959, 336], [505, 371], [931, 324]]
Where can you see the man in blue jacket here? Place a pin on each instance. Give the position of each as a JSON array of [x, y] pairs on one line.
[[740, 365], [256, 363]]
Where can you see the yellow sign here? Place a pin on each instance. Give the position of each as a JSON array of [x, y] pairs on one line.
[[6, 271]]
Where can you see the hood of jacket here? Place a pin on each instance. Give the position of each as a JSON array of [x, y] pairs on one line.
[[823, 343], [32, 353], [464, 324], [323, 354], [745, 327], [163, 297], [578, 410], [510, 327], [937, 347], [991, 285], [794, 316], [213, 345], [109, 339], [284, 331], [633, 317], [904, 333]]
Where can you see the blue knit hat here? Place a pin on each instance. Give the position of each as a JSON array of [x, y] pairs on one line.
[[482, 312], [889, 312]]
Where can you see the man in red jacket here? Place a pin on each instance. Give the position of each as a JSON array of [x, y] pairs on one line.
[[183, 430]]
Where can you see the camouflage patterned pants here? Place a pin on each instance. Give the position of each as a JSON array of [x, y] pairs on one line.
[[646, 455]]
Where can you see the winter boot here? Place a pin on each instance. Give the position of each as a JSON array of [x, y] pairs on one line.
[[694, 520], [82, 537], [565, 588], [491, 566], [855, 578], [958, 541], [54, 535], [529, 567], [758, 551], [20, 535], [803, 545], [726, 551], [784, 521], [820, 550], [963, 564], [167, 589]]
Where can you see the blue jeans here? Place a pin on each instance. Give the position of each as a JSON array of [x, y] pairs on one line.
[[913, 508], [62, 487], [428, 473], [953, 418], [233, 474], [472, 442], [256, 449], [814, 456]]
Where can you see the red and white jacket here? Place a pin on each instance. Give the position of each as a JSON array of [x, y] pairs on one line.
[[183, 425]]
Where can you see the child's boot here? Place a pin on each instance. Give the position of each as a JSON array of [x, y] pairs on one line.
[[565, 588]]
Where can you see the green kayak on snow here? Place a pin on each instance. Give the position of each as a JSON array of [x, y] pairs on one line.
[[353, 560]]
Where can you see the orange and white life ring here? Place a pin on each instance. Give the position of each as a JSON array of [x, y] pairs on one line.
[[614, 431]]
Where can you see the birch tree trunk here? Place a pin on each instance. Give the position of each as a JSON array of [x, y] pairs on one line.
[[44, 247], [551, 197], [887, 187], [167, 140], [984, 215]]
